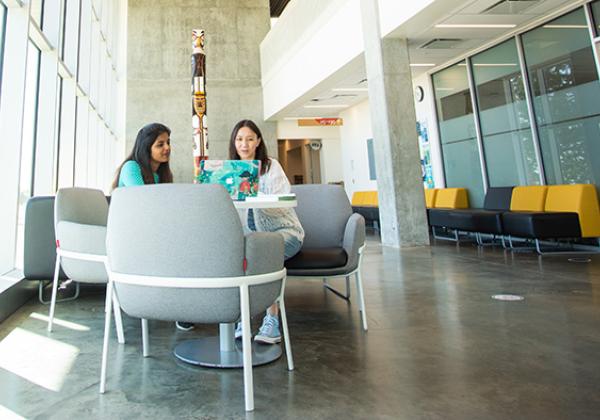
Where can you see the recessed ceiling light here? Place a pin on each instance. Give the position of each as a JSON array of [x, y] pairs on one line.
[[350, 89], [475, 25], [445, 89], [326, 106], [422, 65], [551, 26], [495, 64]]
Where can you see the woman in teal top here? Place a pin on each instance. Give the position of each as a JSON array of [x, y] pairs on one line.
[[148, 162]]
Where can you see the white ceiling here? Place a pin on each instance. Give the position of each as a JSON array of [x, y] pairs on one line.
[[419, 30]]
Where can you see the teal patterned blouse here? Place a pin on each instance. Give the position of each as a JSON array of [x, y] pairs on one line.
[[131, 174]]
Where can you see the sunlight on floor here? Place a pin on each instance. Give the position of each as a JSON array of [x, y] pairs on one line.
[[6, 414], [40, 360], [62, 323]]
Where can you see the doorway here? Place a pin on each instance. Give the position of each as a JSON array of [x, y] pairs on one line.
[[301, 160]]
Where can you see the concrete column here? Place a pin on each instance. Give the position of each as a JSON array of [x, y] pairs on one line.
[[159, 71], [401, 197]]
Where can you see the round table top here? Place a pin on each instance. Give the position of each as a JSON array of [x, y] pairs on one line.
[[265, 203]]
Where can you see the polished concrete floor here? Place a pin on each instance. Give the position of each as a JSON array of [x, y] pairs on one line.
[[438, 347]]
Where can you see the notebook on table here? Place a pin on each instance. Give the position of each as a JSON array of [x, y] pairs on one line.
[[239, 177]]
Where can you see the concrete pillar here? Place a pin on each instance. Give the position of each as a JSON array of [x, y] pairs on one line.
[[401, 197], [159, 71]]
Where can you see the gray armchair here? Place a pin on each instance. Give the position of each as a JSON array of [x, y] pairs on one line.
[[177, 251], [334, 239], [80, 227]]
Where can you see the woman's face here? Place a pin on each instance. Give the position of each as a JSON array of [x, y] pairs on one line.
[[246, 143], [161, 149]]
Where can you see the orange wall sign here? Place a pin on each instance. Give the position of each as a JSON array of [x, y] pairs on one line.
[[311, 122]]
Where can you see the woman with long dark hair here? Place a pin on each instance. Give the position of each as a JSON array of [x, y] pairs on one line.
[[246, 143], [148, 162]]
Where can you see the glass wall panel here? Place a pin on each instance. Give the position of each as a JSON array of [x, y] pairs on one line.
[[565, 87], [37, 11], [2, 26], [28, 142], [457, 131], [505, 126]]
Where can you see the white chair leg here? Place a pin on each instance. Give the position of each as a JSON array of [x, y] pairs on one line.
[[118, 318], [108, 313], [347, 287], [54, 291], [361, 297], [247, 347], [286, 336], [145, 349]]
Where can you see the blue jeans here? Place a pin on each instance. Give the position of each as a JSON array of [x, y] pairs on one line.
[[291, 244]]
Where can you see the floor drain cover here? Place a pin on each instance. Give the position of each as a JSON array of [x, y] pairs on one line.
[[508, 297], [580, 260]]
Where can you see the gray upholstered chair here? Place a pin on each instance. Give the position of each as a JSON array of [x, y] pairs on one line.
[[39, 245], [80, 216], [178, 251], [334, 239]]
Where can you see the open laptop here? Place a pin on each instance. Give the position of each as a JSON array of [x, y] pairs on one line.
[[239, 177]]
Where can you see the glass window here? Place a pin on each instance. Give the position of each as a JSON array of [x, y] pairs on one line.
[[66, 148], [457, 131], [28, 142], [37, 12], [505, 126], [71, 35], [565, 87]]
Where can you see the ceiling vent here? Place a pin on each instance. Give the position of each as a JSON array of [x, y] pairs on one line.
[[441, 44], [510, 7]]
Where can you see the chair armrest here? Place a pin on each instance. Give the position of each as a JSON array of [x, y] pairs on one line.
[[264, 252], [354, 238]]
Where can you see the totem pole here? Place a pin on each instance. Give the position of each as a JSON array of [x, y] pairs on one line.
[[199, 100]]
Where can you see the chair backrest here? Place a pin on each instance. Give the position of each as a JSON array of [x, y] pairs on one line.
[[430, 194], [39, 247], [81, 205], [180, 230], [323, 211], [498, 198], [80, 216], [452, 198], [528, 198], [175, 230], [577, 198]]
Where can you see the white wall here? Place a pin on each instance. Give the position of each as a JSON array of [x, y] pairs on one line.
[[331, 162], [354, 134], [425, 111]]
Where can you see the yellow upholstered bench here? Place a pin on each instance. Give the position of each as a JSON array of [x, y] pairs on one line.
[[528, 198], [366, 203], [430, 194], [451, 198], [576, 198]]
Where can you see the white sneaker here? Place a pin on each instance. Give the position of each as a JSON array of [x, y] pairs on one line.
[[269, 331]]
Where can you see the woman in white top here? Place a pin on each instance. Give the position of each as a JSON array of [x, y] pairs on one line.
[[246, 143]]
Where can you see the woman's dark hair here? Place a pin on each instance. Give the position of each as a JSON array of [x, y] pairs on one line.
[[142, 154], [261, 149]]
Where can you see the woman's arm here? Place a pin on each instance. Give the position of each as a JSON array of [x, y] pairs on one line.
[[131, 174], [276, 180]]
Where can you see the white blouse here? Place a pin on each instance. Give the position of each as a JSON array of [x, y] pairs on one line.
[[283, 220]]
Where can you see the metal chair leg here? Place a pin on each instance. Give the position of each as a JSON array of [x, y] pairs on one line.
[[361, 298], [108, 313], [343, 296], [145, 343], [54, 291], [286, 336], [246, 348]]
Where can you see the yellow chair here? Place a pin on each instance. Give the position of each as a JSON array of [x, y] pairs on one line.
[[577, 198], [451, 198], [528, 198], [430, 194]]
